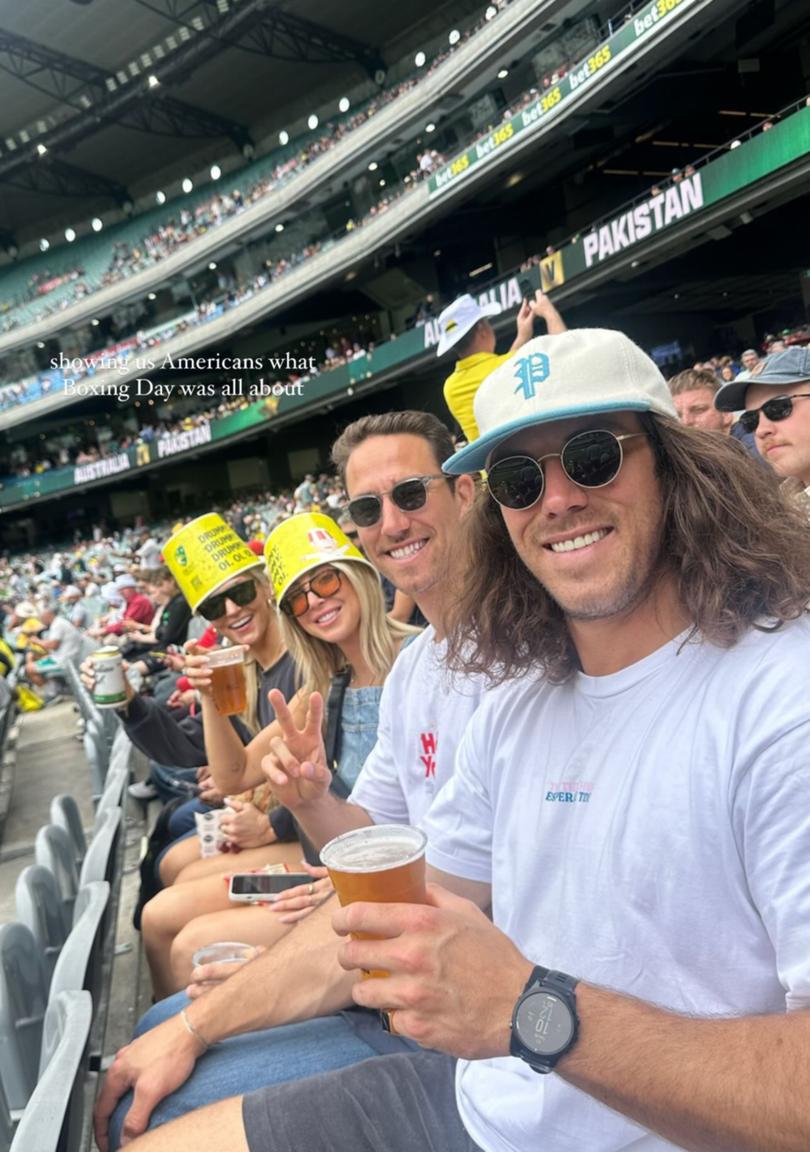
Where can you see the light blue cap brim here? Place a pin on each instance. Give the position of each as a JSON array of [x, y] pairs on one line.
[[474, 457]]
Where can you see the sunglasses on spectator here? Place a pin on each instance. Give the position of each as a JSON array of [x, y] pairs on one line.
[[777, 409], [409, 496], [589, 459], [324, 583], [240, 594]]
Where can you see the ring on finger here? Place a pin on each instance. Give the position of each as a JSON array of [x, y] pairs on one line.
[[310, 889]]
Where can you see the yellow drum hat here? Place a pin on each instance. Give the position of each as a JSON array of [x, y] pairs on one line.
[[305, 542], [204, 555]]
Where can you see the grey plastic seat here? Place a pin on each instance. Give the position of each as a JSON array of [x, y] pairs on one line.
[[23, 997], [100, 857], [97, 753], [79, 963], [53, 850], [39, 907], [6, 1123], [121, 748], [65, 814], [54, 1118], [114, 790]]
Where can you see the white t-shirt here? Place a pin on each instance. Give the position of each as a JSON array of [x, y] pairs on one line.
[[423, 714], [70, 641], [646, 831], [149, 553]]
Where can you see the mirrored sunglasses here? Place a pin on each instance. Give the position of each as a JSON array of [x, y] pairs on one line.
[[408, 495], [589, 459]]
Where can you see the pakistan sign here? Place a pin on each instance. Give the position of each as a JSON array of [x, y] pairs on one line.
[[768, 152], [554, 100]]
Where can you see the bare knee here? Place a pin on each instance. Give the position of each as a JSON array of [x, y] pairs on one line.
[[161, 917]]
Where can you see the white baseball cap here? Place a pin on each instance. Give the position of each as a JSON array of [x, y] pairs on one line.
[[125, 581], [459, 317], [577, 373]]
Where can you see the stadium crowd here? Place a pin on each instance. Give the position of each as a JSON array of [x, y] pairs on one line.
[[624, 566]]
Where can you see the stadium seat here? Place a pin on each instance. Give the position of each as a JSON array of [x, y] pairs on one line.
[[23, 999], [79, 963], [121, 750], [53, 850], [54, 1118], [114, 791], [100, 854], [39, 908], [6, 1123], [65, 814], [97, 752]]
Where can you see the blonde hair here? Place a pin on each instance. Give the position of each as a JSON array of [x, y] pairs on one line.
[[380, 636]]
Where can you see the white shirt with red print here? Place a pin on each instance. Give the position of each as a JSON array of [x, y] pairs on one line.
[[423, 714]]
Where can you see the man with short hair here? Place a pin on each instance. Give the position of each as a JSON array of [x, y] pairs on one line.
[[775, 413], [628, 804], [464, 325], [749, 360], [77, 612], [408, 518], [693, 392]]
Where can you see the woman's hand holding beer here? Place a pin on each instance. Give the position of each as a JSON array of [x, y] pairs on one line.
[[453, 976], [197, 668], [296, 764], [87, 674]]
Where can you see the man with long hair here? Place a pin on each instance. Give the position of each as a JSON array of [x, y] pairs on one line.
[[631, 802]]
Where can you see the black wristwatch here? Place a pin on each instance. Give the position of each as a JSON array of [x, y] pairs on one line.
[[544, 1022]]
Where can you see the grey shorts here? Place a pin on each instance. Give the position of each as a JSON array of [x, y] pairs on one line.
[[392, 1103]]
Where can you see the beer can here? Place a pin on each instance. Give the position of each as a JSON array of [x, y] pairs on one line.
[[110, 689]]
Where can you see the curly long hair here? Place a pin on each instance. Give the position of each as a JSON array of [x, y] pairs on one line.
[[738, 547]]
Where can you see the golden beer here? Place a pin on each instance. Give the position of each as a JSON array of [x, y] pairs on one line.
[[228, 686], [384, 864]]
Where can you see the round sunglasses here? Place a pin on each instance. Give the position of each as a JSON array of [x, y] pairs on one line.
[[324, 583], [240, 594], [777, 409], [409, 496], [589, 459]]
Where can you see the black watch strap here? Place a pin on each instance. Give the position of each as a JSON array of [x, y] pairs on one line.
[[560, 984]]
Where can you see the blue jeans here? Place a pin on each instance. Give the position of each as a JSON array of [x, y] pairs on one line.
[[245, 1063], [171, 782]]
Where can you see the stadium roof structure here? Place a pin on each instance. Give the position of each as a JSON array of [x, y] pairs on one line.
[[102, 100]]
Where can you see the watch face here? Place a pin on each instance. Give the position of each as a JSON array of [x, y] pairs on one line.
[[544, 1023]]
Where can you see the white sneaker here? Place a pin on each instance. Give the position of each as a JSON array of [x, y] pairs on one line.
[[142, 790]]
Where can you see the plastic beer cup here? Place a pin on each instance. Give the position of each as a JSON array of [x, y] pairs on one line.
[[384, 864], [228, 679]]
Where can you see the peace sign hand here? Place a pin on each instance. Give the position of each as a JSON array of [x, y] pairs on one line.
[[296, 764]]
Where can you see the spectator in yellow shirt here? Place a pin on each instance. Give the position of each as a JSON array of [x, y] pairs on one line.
[[464, 325]]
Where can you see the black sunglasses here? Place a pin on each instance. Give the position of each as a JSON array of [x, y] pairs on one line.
[[324, 583], [777, 409], [240, 594], [409, 496], [589, 459]]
